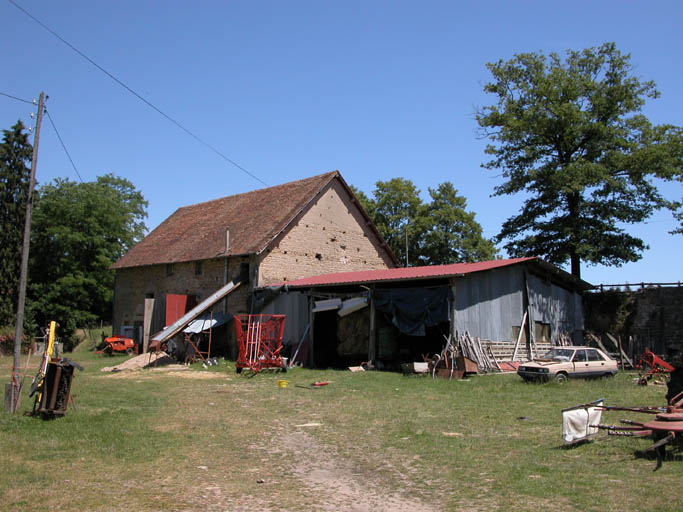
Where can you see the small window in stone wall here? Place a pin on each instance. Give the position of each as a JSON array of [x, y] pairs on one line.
[[198, 268], [169, 269]]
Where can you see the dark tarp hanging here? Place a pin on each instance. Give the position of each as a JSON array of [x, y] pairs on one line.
[[261, 297], [412, 310]]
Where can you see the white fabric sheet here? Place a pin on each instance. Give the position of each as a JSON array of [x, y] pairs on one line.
[[575, 423]]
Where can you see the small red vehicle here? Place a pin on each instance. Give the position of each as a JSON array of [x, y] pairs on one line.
[[117, 344]]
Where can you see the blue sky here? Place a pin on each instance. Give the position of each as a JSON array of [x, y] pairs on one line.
[[291, 89]]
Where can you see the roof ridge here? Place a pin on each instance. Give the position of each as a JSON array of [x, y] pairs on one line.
[[258, 190]]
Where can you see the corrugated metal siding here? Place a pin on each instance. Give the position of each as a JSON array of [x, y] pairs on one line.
[[295, 306], [555, 305], [488, 304]]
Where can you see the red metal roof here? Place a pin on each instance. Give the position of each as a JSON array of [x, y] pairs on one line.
[[399, 274], [198, 232]]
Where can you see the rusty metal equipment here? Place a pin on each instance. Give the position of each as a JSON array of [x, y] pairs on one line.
[[665, 429], [56, 389], [260, 342], [117, 343], [651, 366]]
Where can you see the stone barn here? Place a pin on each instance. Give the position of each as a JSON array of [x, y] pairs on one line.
[[278, 234]]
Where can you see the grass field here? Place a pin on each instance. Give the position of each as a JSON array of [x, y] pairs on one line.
[[208, 439]]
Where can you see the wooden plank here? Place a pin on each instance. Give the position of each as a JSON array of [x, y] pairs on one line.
[[519, 336], [616, 344], [147, 323], [371, 334], [9, 397], [598, 342], [494, 358]]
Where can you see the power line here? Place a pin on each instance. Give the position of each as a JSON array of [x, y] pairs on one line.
[[63, 145], [18, 99], [53, 127], [148, 103]]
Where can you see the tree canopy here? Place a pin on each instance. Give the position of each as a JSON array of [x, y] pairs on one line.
[[439, 232], [15, 160], [570, 135], [79, 230]]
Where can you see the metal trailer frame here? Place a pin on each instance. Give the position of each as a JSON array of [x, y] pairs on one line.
[[260, 342]]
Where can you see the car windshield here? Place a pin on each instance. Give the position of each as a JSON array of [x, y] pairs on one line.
[[559, 354]]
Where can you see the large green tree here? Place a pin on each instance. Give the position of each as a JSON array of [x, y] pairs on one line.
[[79, 230], [15, 160], [436, 233], [396, 210], [569, 134], [453, 234]]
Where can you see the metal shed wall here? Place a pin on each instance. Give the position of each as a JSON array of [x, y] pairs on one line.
[[488, 304], [557, 306], [295, 306]]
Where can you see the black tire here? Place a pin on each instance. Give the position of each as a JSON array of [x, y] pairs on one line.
[[238, 370], [129, 351], [561, 378]]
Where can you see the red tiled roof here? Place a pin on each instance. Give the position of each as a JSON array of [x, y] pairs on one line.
[[254, 219], [399, 274]]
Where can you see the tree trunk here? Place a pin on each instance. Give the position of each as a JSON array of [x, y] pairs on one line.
[[573, 204], [576, 264]]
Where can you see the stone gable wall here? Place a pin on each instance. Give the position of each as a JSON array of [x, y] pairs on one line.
[[331, 236]]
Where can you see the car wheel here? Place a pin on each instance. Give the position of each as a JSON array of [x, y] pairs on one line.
[[609, 376], [561, 378]]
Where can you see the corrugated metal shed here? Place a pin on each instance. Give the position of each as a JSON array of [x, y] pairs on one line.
[[402, 274], [490, 297]]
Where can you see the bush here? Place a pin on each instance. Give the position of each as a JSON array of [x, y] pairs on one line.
[[7, 341]]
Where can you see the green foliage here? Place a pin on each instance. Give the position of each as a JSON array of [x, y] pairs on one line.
[[609, 311], [15, 160], [79, 230], [570, 136], [397, 209], [453, 234], [439, 232]]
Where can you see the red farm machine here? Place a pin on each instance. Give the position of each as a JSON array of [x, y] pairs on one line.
[[260, 342], [116, 344]]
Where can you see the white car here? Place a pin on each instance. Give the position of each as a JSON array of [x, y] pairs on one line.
[[562, 363]]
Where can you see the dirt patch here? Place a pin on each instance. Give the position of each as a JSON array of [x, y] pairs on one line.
[[337, 484], [179, 370], [152, 359]]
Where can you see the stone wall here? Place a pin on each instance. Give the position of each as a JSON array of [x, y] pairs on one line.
[[650, 317], [135, 284], [330, 236]]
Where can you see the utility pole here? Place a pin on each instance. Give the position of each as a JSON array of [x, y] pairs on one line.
[[19, 328], [406, 231]]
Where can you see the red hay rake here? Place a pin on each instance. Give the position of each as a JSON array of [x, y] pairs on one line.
[[260, 342]]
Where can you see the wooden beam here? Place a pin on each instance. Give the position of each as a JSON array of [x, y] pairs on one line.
[[618, 345], [371, 335], [519, 336]]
